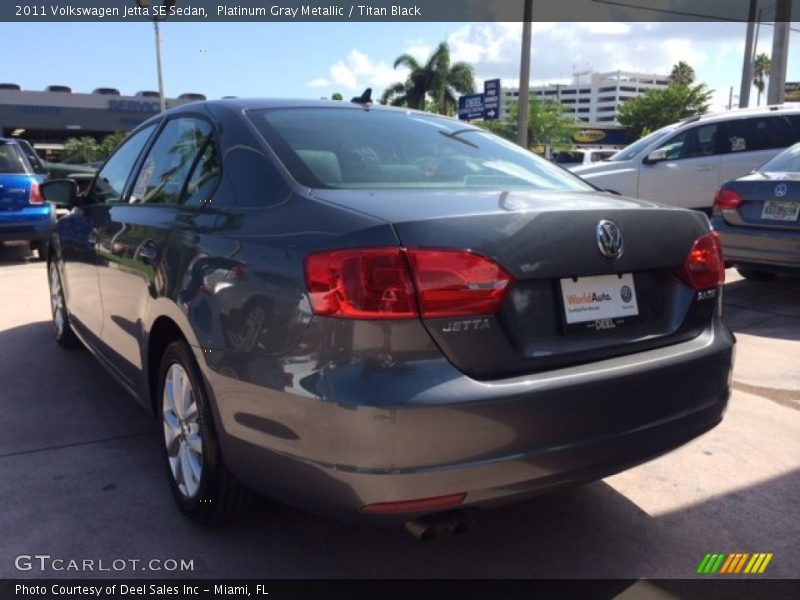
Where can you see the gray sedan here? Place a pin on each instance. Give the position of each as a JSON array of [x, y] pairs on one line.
[[758, 218], [384, 314]]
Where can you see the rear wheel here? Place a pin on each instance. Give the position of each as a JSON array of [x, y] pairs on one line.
[[58, 307], [756, 274], [203, 488]]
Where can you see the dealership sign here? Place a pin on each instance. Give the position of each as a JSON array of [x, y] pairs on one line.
[[792, 91]]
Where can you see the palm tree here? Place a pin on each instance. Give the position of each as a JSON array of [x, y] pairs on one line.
[[437, 80], [761, 70], [682, 74], [81, 150]]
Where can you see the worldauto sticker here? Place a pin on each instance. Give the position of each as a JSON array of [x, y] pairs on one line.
[[598, 298]]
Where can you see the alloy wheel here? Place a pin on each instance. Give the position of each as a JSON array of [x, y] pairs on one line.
[[182, 432]]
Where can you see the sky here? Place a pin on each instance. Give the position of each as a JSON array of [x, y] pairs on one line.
[[313, 60]]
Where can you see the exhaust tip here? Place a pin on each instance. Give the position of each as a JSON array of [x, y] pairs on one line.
[[453, 522]]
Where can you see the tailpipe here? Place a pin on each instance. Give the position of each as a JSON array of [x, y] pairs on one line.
[[452, 522]]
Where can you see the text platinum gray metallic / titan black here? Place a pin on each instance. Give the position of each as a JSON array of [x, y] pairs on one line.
[[380, 314]]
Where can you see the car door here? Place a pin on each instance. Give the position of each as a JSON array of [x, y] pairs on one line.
[[689, 177], [78, 236], [133, 242]]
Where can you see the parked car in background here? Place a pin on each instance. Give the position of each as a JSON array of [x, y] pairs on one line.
[[569, 159], [758, 218], [24, 214], [82, 174], [684, 164], [384, 314]]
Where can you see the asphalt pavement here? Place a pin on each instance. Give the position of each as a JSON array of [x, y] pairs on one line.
[[81, 478]]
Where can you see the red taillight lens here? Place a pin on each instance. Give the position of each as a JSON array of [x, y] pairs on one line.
[[361, 284], [705, 266], [379, 283], [35, 196], [456, 283], [727, 199], [421, 505]]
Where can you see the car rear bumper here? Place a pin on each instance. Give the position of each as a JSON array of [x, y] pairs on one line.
[[28, 224], [498, 442], [753, 246]]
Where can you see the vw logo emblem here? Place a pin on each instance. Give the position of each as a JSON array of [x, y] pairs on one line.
[[609, 239], [780, 190]]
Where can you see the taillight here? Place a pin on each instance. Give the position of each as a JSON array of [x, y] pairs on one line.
[[35, 195], [457, 283], [420, 505], [361, 283], [705, 266], [727, 199], [395, 283]]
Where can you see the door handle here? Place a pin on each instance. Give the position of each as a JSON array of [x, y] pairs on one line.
[[148, 251]]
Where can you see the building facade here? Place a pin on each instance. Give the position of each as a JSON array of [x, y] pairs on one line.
[[596, 98], [47, 119]]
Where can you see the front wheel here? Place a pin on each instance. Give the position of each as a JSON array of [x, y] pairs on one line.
[[58, 308], [204, 489]]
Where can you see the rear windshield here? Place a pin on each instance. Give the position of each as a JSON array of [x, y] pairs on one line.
[[11, 159], [787, 161], [349, 148]]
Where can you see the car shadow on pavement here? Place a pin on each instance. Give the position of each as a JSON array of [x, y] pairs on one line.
[[89, 481], [16, 254]]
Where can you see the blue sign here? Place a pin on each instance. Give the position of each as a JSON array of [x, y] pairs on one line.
[[492, 100], [470, 107]]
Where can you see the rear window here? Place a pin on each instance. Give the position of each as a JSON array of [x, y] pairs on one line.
[[11, 159], [568, 158], [348, 148]]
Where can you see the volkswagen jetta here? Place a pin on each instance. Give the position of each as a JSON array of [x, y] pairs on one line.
[[384, 314]]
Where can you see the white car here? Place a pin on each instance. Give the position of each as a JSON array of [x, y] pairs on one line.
[[570, 159], [684, 164]]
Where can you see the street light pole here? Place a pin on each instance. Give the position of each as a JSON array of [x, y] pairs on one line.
[[161, 98], [523, 116]]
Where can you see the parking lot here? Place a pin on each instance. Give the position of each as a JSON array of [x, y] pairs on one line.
[[82, 477]]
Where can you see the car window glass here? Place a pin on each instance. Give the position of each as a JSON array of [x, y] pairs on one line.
[[787, 161], [204, 177], [349, 148], [692, 143], [787, 130], [167, 166], [110, 182], [747, 135], [11, 160]]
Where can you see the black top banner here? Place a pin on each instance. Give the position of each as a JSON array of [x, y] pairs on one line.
[[381, 10]]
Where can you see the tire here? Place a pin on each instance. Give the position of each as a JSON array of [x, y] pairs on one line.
[[204, 489], [756, 274], [65, 337]]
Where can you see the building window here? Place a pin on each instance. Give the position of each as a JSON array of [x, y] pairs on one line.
[[607, 89], [583, 110], [606, 109], [605, 119]]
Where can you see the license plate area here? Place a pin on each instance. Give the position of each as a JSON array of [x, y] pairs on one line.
[[600, 302], [780, 210]]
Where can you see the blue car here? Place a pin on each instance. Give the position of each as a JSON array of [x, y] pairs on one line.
[[24, 214]]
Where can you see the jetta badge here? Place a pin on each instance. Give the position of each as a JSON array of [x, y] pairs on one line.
[[609, 239], [780, 190]]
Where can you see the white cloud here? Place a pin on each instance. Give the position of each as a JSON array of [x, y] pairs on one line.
[[357, 71]]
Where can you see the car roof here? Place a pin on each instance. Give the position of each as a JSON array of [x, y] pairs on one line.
[[241, 104], [744, 112]]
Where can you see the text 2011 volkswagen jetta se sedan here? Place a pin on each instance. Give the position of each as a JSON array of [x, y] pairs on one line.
[[383, 313]]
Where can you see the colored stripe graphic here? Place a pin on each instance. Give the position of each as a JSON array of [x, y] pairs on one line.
[[734, 563]]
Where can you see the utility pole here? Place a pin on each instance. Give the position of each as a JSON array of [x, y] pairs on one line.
[[161, 98], [780, 52], [523, 117], [747, 66]]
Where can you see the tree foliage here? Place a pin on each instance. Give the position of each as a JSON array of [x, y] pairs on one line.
[[437, 83], [682, 74], [337, 96], [657, 108], [762, 66], [547, 125], [87, 149]]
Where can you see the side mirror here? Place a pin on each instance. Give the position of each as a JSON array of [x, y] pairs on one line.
[[656, 156], [62, 192]]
